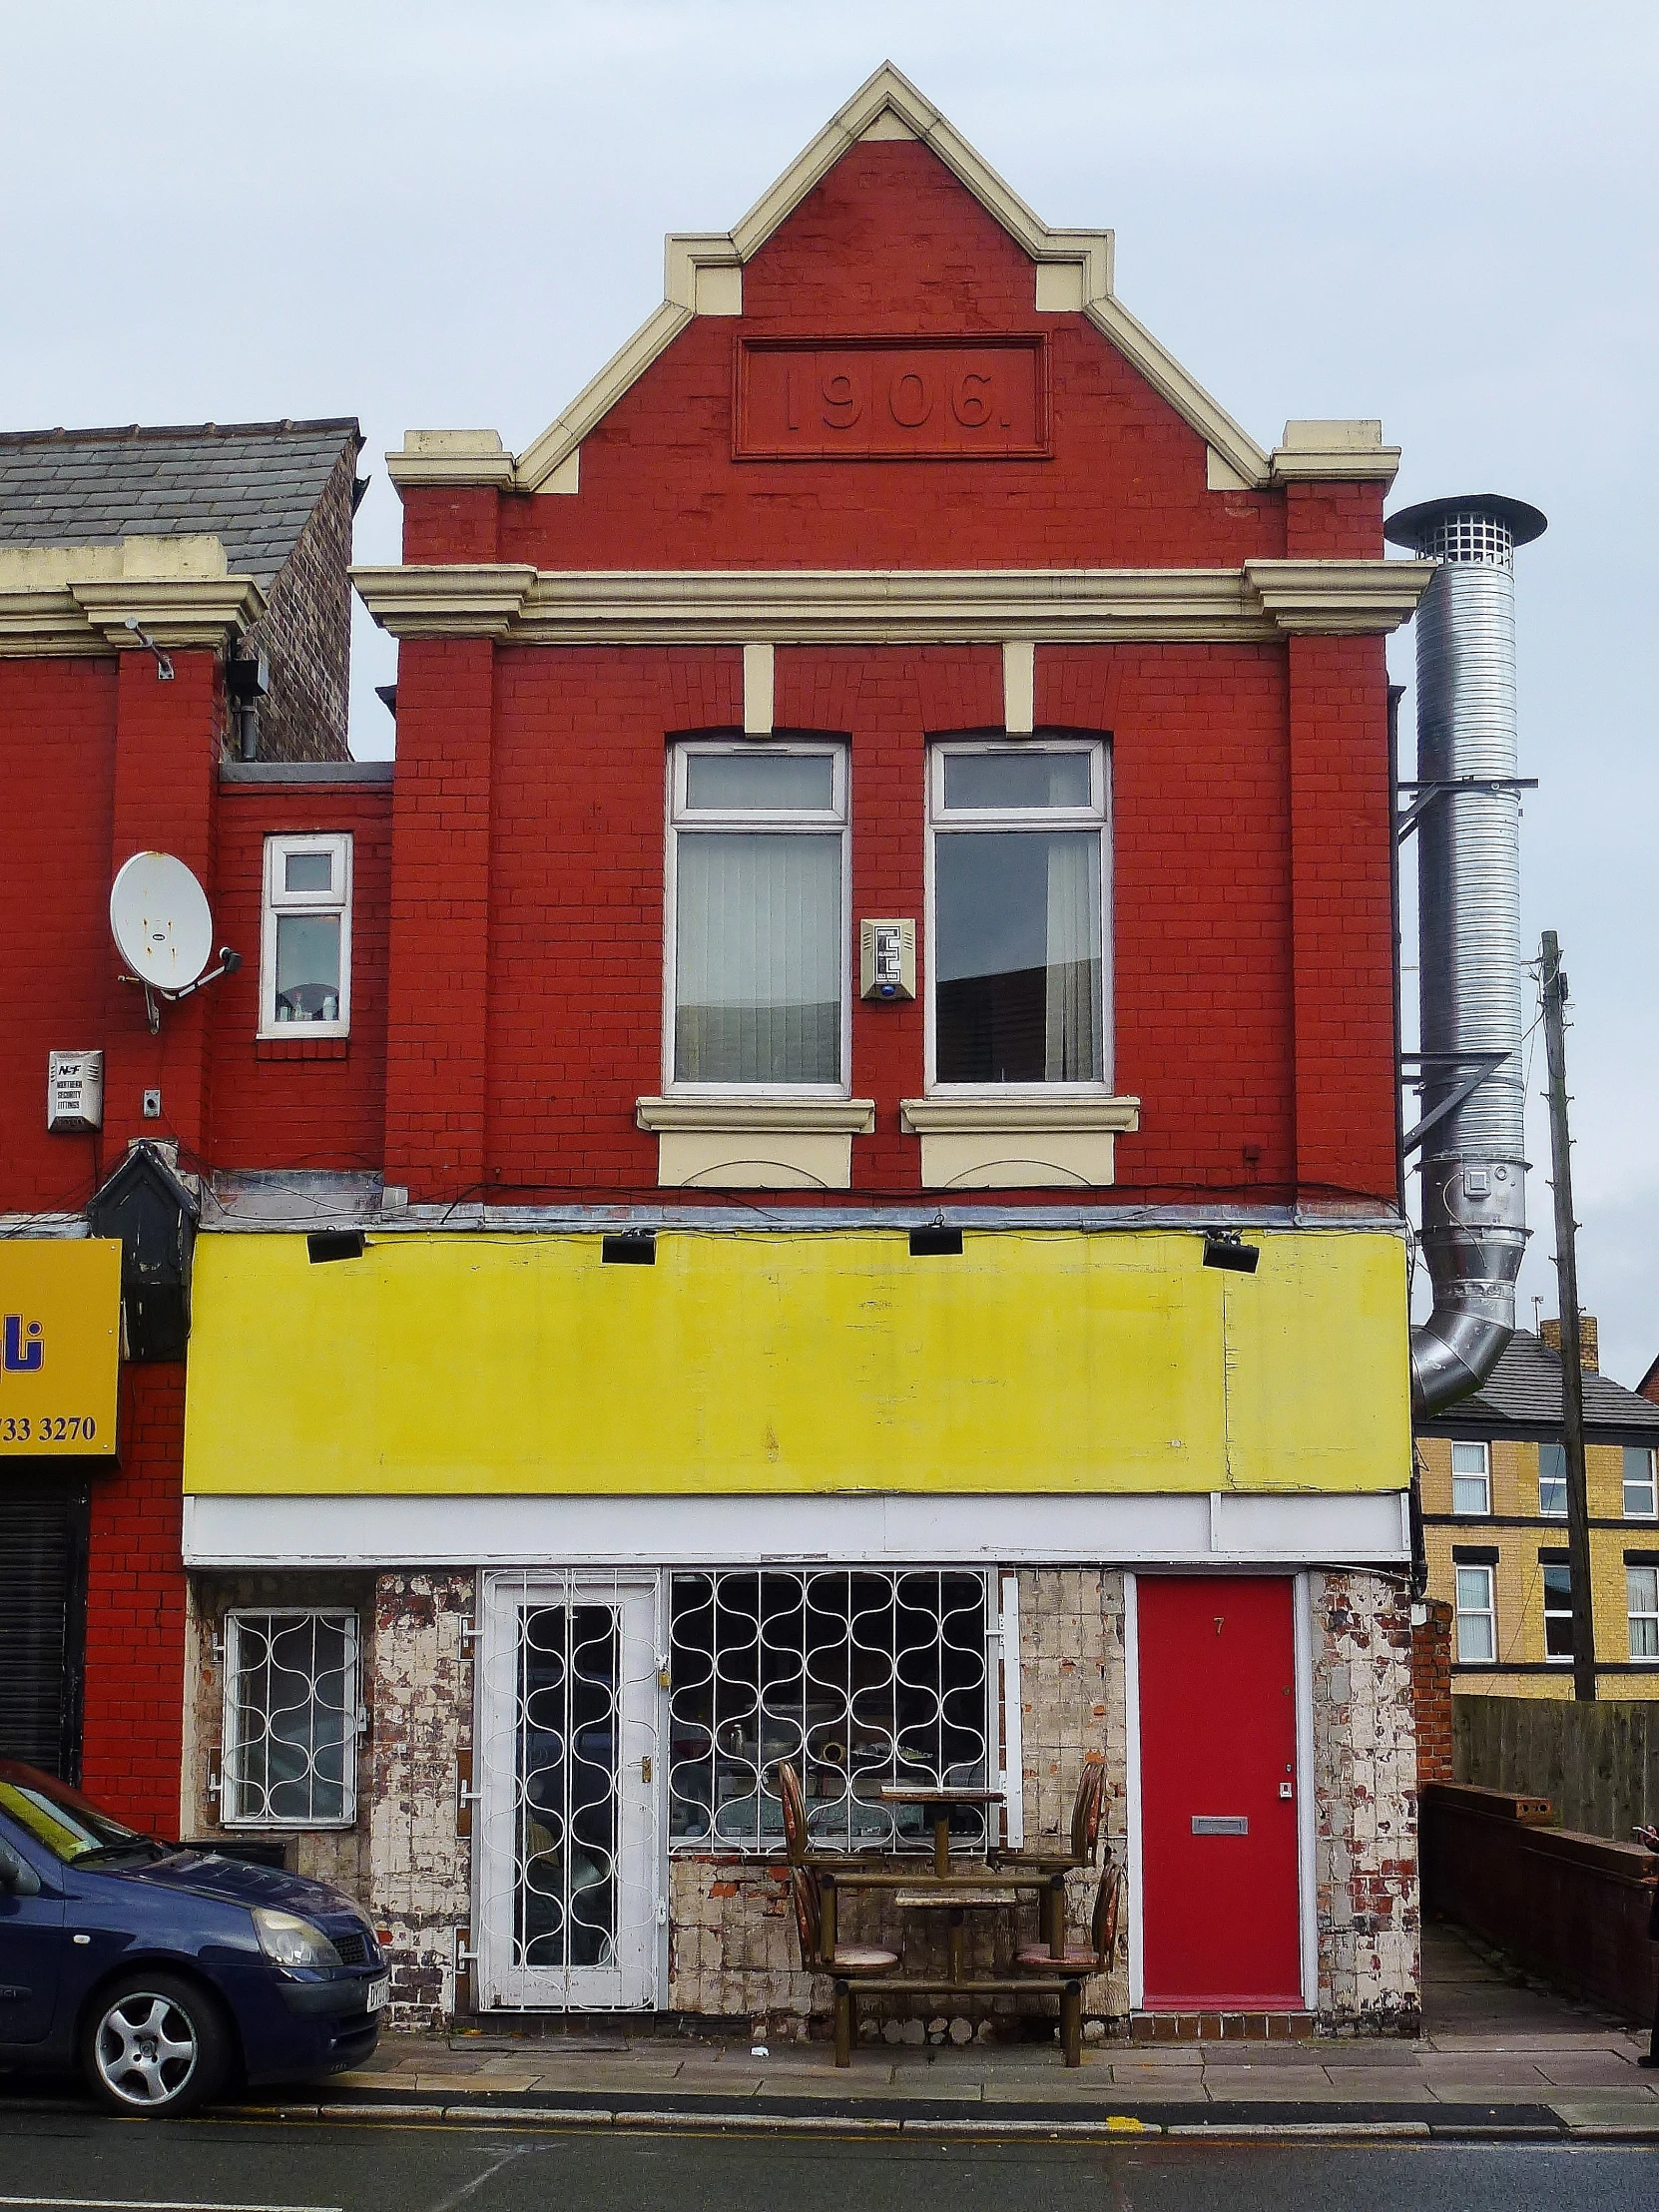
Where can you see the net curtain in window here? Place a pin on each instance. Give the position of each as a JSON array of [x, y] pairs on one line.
[[758, 958]]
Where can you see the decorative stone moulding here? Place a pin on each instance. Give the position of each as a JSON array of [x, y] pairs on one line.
[[1017, 1142], [77, 600], [1254, 604], [755, 1144]]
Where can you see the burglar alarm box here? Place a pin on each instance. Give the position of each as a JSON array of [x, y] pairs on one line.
[[888, 959], [75, 1090]]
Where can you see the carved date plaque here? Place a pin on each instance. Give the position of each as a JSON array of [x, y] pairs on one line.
[[891, 399]]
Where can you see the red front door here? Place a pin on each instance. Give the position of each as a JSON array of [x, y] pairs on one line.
[[1219, 1912]]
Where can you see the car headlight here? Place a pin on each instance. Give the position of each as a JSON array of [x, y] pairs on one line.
[[290, 1942]]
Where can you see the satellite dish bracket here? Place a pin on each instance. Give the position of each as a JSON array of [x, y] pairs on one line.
[[229, 963]]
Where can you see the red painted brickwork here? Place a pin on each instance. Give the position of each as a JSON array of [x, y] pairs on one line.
[[301, 1102], [1431, 1692], [134, 1649]]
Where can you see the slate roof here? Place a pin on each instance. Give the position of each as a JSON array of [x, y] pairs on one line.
[[1524, 1392], [251, 484]]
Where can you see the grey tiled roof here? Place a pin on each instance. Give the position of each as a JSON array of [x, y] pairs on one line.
[[1525, 1391], [251, 484]]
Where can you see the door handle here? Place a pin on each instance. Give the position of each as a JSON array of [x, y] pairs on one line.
[[645, 1768]]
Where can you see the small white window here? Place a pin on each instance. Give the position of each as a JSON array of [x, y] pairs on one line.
[[290, 1719], [306, 940], [1642, 1603], [1476, 1627], [1558, 1613], [1639, 1499], [1471, 1489], [756, 949], [1019, 898], [1552, 1481]]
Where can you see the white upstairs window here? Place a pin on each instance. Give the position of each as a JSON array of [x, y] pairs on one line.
[[306, 938], [1639, 1500], [1476, 1624], [1552, 1481], [1642, 1605], [1471, 1486]]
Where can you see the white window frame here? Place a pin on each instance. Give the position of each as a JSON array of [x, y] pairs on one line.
[[1649, 1511], [1097, 816], [232, 1813], [1544, 1512], [1635, 1613], [1486, 1612], [1484, 1477], [1554, 1613], [278, 900], [681, 821]]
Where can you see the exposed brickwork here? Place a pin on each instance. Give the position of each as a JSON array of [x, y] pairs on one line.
[[1432, 1691], [135, 1648], [305, 632], [1364, 1772], [418, 1869]]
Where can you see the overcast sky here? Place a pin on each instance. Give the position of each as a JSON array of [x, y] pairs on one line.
[[430, 213]]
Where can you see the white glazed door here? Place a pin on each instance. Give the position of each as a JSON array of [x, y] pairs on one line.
[[568, 1863]]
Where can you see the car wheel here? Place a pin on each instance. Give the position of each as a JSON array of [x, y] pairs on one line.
[[156, 2045]]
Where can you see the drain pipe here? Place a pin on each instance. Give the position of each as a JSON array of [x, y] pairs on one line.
[[1466, 811]]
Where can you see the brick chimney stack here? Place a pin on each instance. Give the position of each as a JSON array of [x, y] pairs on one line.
[[1589, 1351]]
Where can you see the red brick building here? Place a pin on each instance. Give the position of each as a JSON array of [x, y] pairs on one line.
[[893, 833]]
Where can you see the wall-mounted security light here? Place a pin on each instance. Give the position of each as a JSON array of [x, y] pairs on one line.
[[336, 1244], [1226, 1248], [935, 1244], [631, 1247]]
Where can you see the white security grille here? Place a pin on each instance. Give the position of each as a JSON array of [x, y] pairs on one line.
[[858, 1676], [290, 1719]]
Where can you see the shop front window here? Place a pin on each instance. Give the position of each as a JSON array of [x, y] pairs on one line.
[[857, 1677], [291, 1720]]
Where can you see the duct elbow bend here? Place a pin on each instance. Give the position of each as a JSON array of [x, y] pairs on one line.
[[1452, 1353]]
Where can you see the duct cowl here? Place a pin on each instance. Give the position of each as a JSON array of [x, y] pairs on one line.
[[1471, 975]]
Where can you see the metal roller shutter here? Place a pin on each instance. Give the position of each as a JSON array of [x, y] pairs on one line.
[[42, 1603]]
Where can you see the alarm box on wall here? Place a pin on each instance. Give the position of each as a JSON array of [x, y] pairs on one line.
[[75, 1091]]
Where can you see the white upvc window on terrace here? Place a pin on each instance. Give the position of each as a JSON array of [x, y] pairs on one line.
[[1642, 1606], [1477, 1622], [306, 938], [1552, 1481], [757, 952], [1472, 1484], [1640, 1502], [1019, 898], [292, 1719]]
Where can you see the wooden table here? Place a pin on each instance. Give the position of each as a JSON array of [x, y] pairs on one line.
[[956, 1898], [940, 1800]]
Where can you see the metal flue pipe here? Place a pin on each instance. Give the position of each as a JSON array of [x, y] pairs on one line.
[[1471, 973]]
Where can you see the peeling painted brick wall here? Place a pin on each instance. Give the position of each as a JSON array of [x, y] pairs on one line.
[[419, 1868], [1365, 1768]]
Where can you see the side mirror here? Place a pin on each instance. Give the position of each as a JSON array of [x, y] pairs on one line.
[[16, 1873]]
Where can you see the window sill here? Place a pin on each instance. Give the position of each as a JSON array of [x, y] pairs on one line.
[[1018, 1143], [302, 1048], [755, 1143]]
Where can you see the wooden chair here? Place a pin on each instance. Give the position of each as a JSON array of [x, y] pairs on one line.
[[1087, 1807], [1077, 1959], [845, 1962]]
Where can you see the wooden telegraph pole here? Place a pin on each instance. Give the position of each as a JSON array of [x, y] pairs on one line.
[[1572, 1366]]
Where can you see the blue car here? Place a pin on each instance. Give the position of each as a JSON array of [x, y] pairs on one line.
[[166, 1974]]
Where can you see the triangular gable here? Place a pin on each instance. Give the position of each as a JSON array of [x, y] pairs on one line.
[[703, 274]]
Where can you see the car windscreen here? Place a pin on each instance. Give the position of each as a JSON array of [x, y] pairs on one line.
[[63, 1821]]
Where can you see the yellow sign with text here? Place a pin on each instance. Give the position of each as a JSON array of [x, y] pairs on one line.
[[816, 1360], [60, 1346]]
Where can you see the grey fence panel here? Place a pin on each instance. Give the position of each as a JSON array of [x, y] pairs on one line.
[[1597, 1764]]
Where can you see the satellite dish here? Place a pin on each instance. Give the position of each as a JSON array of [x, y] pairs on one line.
[[158, 914]]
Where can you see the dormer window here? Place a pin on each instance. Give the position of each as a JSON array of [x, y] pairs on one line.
[[306, 938]]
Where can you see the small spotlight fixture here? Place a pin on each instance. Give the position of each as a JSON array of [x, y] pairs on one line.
[[1226, 1248], [633, 1247], [336, 1244], [935, 1244]]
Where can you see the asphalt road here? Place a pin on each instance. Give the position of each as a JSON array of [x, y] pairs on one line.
[[73, 2160]]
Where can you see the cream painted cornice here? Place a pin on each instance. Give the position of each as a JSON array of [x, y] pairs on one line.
[[854, 1117], [1340, 598], [1073, 273], [965, 1117], [456, 457], [1342, 452], [1257, 603], [77, 600]]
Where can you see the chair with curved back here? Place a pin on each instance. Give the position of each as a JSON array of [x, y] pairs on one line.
[[1097, 1956], [845, 1962], [1087, 1808]]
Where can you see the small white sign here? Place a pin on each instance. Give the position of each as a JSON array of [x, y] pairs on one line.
[[378, 1991]]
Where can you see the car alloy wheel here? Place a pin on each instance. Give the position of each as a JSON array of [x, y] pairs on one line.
[[157, 2045]]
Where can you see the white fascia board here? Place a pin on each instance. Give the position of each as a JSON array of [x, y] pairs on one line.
[[1253, 1530]]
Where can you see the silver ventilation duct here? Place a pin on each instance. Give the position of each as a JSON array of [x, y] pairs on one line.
[[1470, 977]]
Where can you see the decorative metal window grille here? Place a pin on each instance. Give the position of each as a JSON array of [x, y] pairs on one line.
[[859, 1676], [290, 1719], [1471, 537]]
